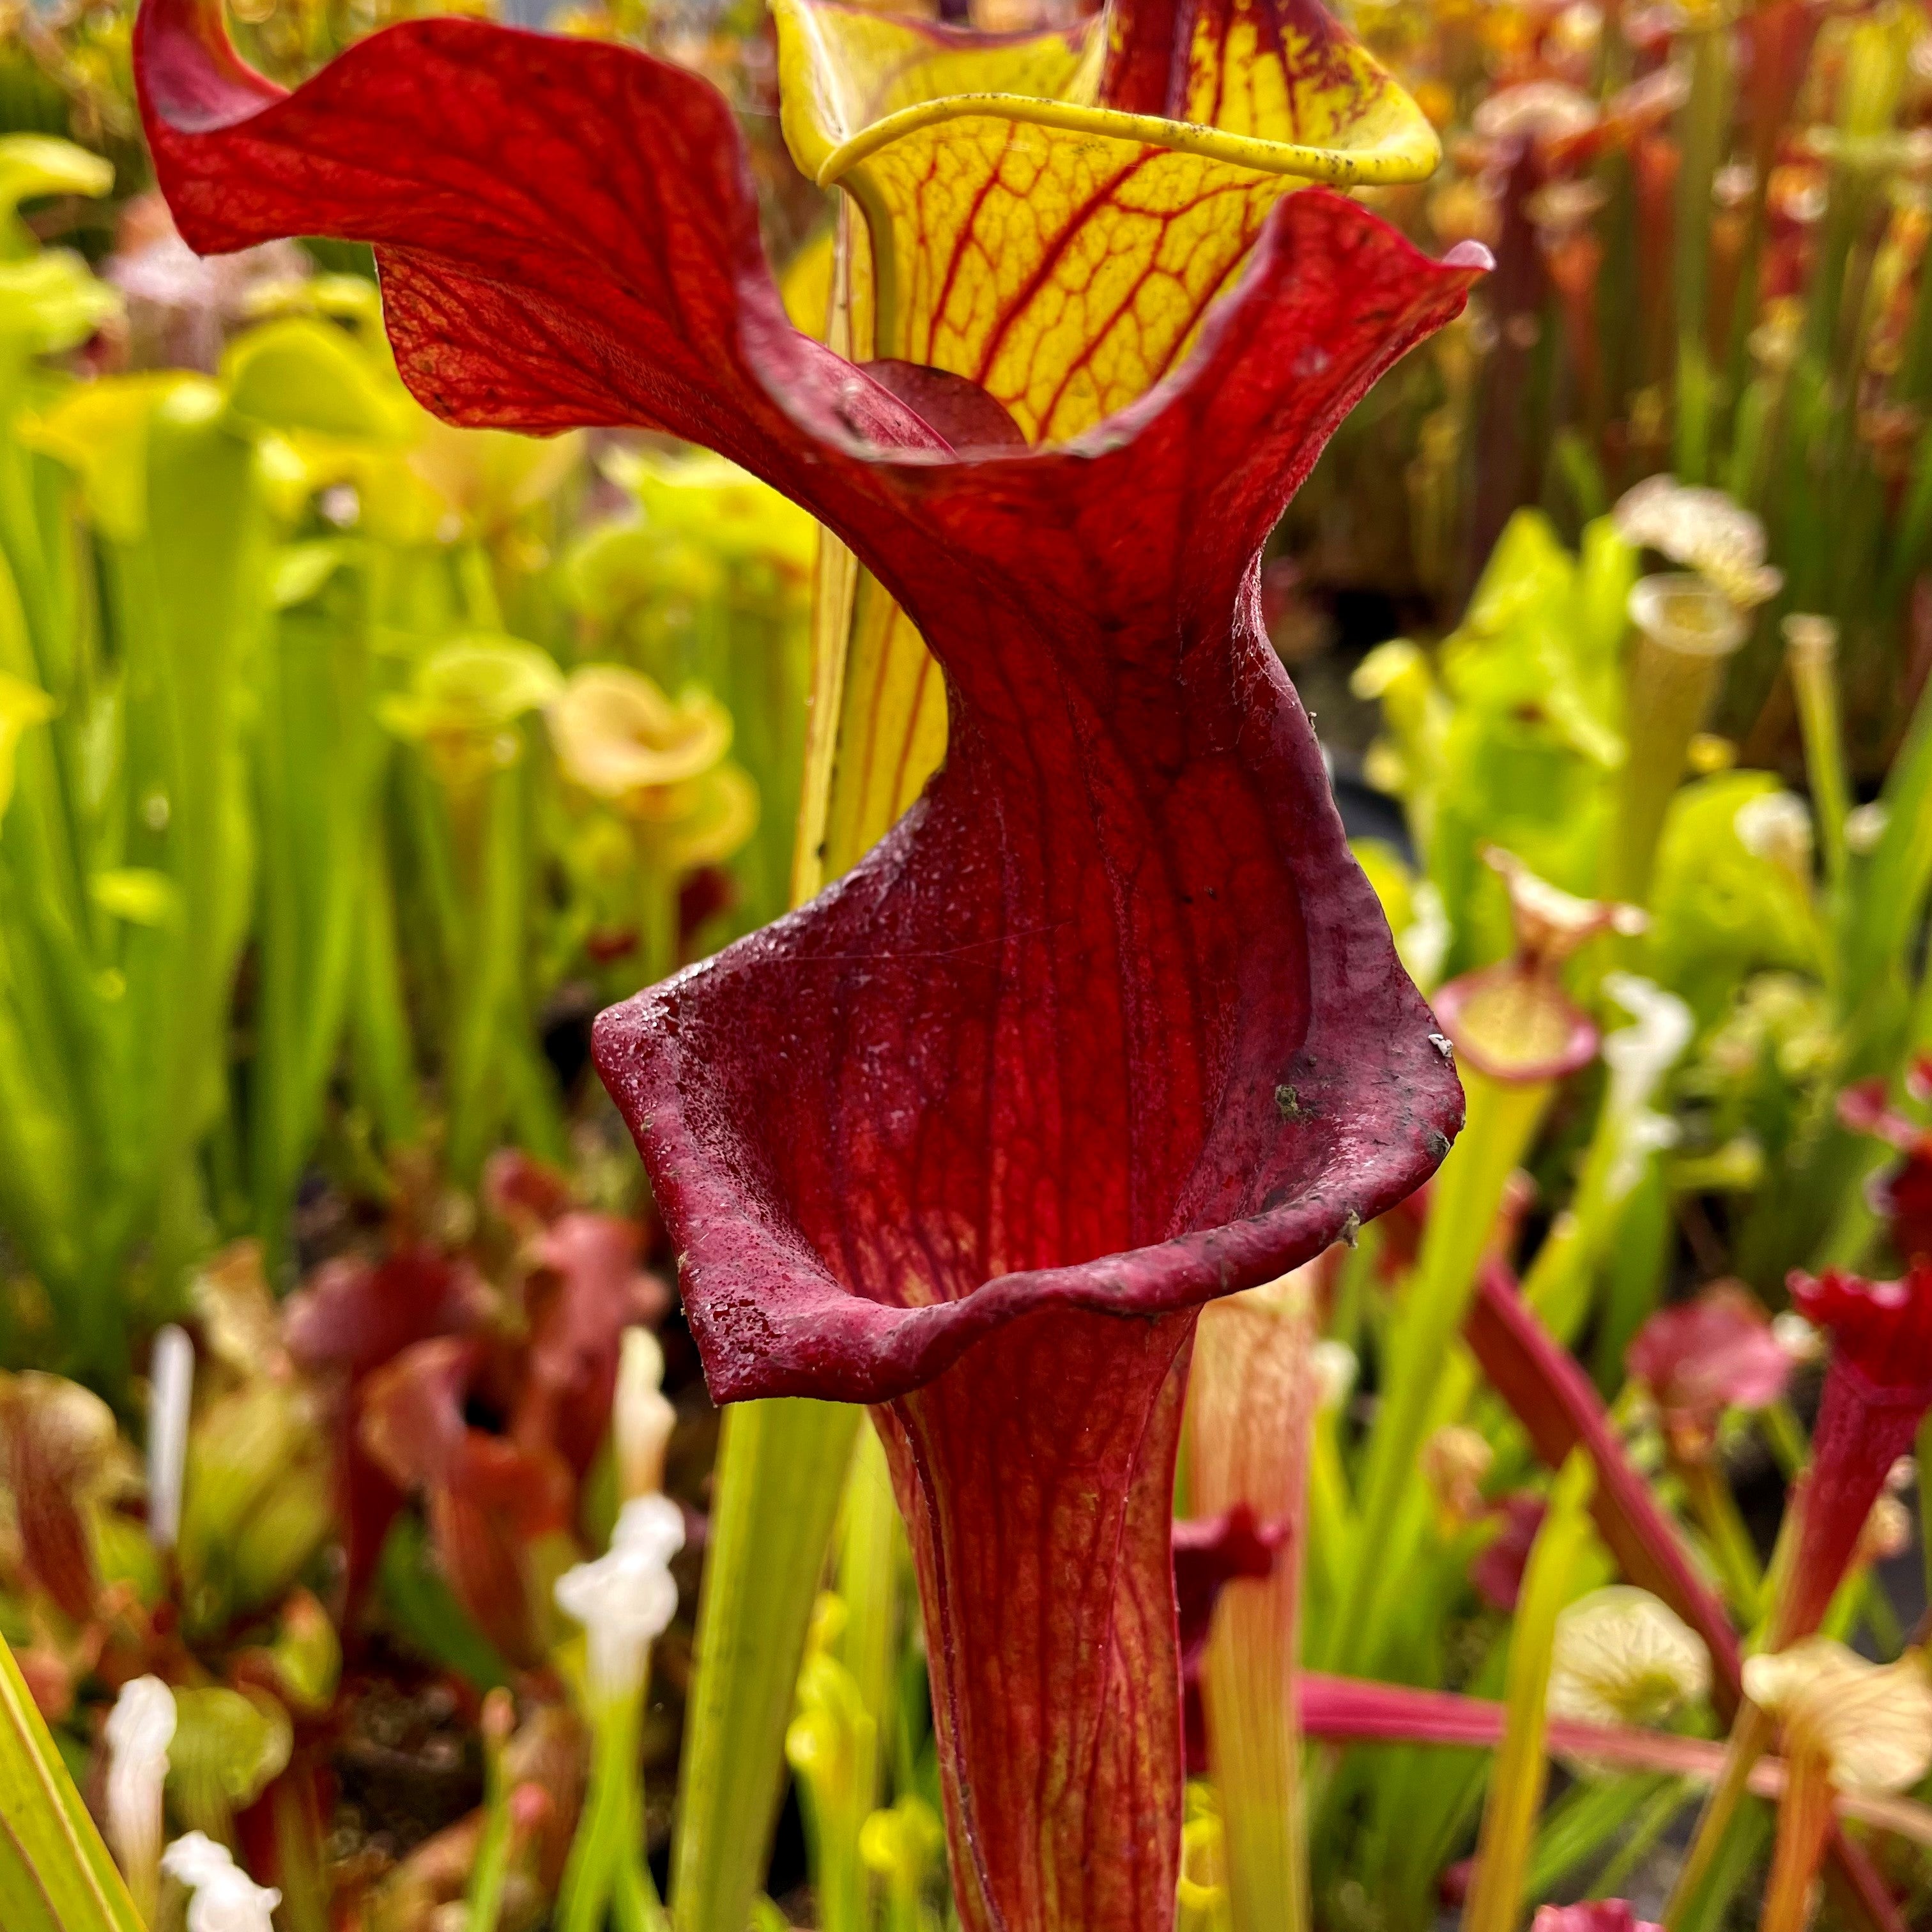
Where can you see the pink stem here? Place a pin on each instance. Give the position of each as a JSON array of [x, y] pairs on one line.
[[1348, 1710], [1556, 1403]]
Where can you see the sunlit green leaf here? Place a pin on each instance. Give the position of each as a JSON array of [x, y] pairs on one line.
[[1720, 911], [55, 1875], [228, 1746], [100, 430], [301, 570], [33, 165], [705, 498], [771, 1523], [465, 697], [51, 301], [302, 374]]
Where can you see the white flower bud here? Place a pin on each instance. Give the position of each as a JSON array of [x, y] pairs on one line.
[[1424, 943], [1639, 1057], [1864, 826], [1887, 1532], [1776, 826], [625, 1599], [140, 1729], [225, 1899], [1453, 1463], [1797, 1337], [171, 1385], [641, 1420]]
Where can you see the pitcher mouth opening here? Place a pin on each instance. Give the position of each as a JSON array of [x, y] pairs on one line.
[[1687, 613]]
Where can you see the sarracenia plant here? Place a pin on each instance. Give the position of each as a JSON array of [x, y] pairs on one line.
[[972, 1137], [1059, 352]]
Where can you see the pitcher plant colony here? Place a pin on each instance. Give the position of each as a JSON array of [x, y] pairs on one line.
[[1217, 1329]]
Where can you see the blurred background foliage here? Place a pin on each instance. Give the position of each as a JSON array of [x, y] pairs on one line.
[[1710, 225], [354, 761]]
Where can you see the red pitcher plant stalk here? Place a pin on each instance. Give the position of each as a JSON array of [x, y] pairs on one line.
[[1110, 1024], [1604, 1914], [1343, 1710], [1558, 1407], [1878, 1388], [1899, 1193]]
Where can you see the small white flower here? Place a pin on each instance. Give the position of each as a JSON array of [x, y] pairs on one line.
[[625, 1598], [1533, 108], [1621, 1657], [140, 1729], [1453, 1463], [226, 1899], [1639, 1056], [340, 505], [1650, 1132], [1424, 943], [1887, 1532]]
